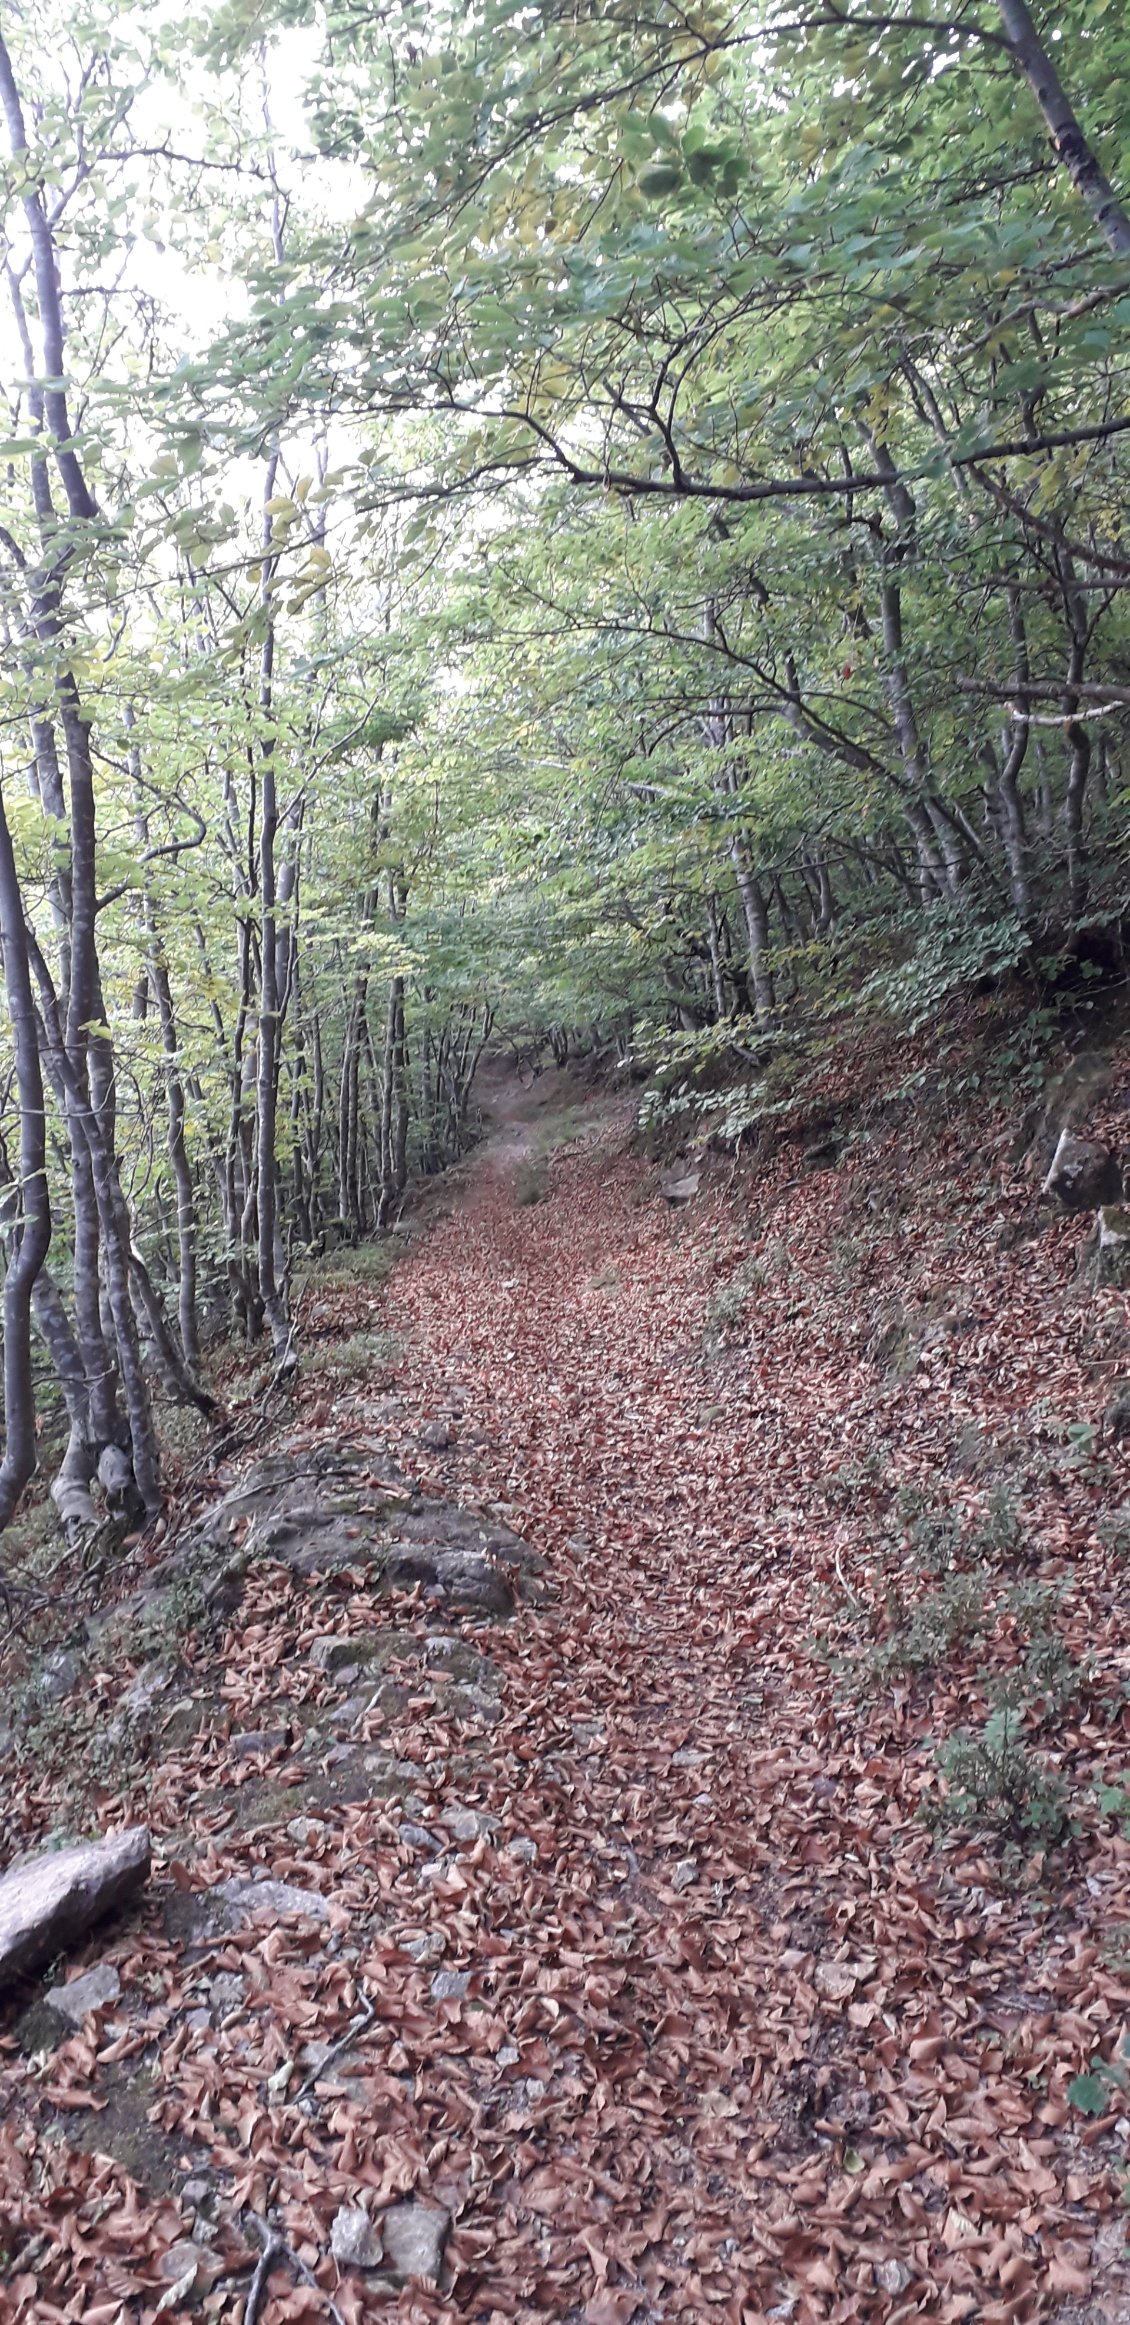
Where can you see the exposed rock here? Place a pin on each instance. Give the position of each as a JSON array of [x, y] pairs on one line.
[[679, 1186], [229, 1905], [472, 1703], [315, 1510], [1113, 1260], [413, 2236], [461, 1662], [305, 1828], [436, 1436], [188, 2268], [354, 2241], [450, 1985], [417, 1836], [466, 1824], [466, 1579], [278, 1897], [49, 1901], [427, 1947], [59, 1675], [685, 1874], [1084, 1174], [1116, 1419], [343, 1651], [63, 2009], [442, 1527], [261, 1740], [92, 1991], [151, 1683], [226, 1990]]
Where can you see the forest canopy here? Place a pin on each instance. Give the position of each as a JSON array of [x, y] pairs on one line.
[[599, 525]]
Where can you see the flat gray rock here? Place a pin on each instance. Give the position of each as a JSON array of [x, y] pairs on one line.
[[450, 1985], [354, 2242], [49, 1901], [92, 1991], [466, 1578], [413, 2236], [244, 1898]]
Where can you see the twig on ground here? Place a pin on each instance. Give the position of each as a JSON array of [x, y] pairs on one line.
[[274, 2248], [844, 1584], [358, 2026]]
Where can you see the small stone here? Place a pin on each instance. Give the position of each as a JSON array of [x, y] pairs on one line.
[[305, 1828], [262, 1740], [521, 1847], [426, 1947], [685, 1874], [418, 1837], [337, 1653], [226, 1990], [198, 2020], [354, 2242], [182, 2258], [450, 1985], [466, 1824], [93, 1991], [435, 1436], [414, 2236], [688, 1758], [1116, 1418], [59, 1675], [197, 2192], [245, 1898], [509, 2055]]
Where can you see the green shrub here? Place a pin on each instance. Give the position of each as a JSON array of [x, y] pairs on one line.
[[926, 1633], [998, 1532], [995, 1783]]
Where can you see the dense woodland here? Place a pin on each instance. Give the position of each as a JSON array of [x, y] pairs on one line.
[[593, 526]]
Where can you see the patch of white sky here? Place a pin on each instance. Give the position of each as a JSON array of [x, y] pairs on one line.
[[201, 291]]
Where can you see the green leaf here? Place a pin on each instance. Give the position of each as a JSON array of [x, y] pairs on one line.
[[660, 178], [1089, 2093]]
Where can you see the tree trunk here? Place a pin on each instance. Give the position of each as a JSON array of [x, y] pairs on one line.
[[31, 1227], [1068, 142]]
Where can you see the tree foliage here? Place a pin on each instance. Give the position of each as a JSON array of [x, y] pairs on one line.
[[585, 520]]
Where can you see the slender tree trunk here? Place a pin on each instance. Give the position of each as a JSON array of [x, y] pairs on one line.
[[31, 1227], [1014, 836]]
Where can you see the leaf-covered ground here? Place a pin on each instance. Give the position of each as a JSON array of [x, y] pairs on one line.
[[819, 1467]]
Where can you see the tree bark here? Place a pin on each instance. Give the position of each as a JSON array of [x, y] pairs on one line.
[[1068, 141], [31, 1228]]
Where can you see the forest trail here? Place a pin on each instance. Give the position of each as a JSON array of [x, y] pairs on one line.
[[649, 1976]]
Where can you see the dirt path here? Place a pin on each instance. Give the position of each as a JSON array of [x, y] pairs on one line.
[[753, 2003], [644, 1967]]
